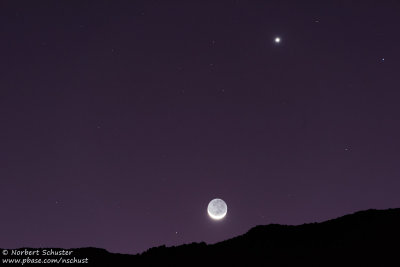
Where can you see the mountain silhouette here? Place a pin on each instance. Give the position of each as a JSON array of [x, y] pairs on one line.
[[365, 238]]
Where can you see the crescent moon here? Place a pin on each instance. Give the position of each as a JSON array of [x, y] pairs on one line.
[[217, 209]]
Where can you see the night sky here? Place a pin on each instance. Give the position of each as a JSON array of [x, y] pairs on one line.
[[121, 120]]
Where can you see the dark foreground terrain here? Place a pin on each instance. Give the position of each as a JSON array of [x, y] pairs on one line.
[[366, 238]]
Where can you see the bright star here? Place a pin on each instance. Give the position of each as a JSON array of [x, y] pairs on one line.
[[277, 40]]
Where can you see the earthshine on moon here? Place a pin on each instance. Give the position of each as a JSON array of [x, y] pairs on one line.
[[217, 209]]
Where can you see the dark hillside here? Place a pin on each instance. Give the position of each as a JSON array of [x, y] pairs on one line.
[[366, 238]]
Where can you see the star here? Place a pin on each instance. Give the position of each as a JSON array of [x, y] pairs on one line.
[[277, 40]]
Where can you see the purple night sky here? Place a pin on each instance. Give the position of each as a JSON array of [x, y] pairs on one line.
[[121, 120]]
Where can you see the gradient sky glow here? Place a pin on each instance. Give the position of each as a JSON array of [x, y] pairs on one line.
[[121, 120]]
